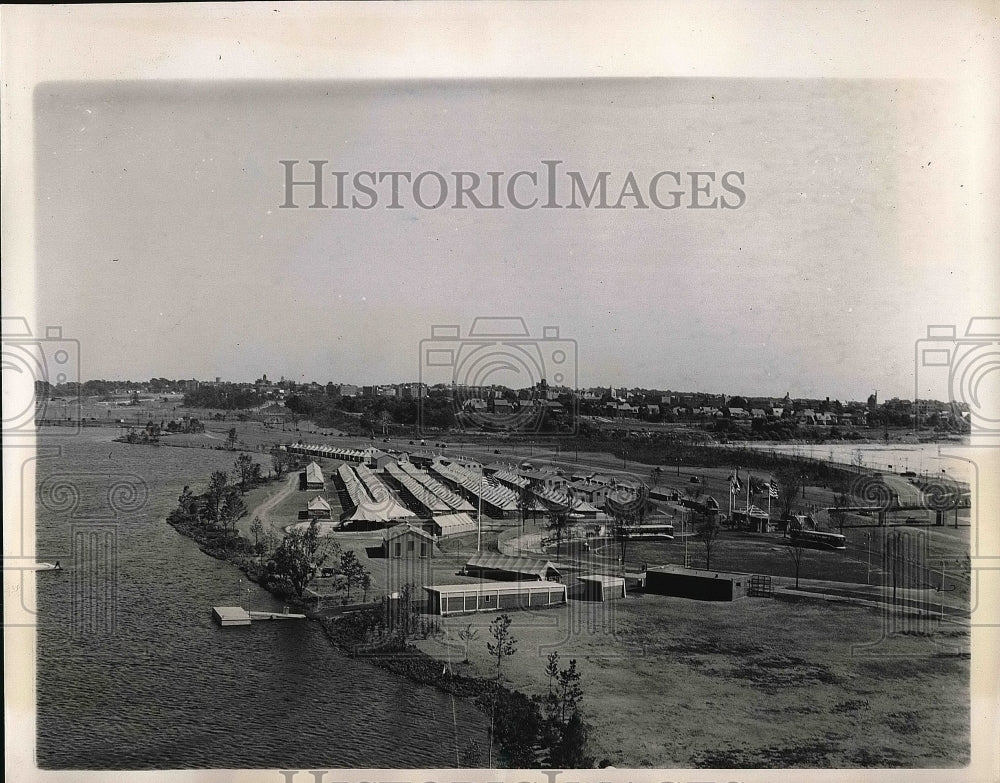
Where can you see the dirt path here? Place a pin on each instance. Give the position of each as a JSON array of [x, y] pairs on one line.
[[269, 503]]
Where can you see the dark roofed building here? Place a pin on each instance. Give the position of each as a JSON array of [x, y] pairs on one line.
[[491, 565]]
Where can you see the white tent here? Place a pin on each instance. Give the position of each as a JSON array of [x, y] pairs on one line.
[[385, 511]]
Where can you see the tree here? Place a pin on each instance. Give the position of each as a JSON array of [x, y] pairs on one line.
[[707, 530], [790, 481], [468, 635], [280, 460], [558, 522], [295, 561], [231, 439], [839, 515], [503, 645], [233, 510], [353, 570], [245, 470], [569, 692], [525, 502], [187, 504], [622, 527], [257, 530], [217, 485], [570, 752], [796, 553]]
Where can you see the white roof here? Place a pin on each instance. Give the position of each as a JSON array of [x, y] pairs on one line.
[[455, 523], [314, 473], [494, 587], [602, 579]]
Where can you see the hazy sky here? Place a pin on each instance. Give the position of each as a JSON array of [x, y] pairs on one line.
[[161, 246]]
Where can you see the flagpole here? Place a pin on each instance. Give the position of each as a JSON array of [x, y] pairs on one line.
[[479, 514]]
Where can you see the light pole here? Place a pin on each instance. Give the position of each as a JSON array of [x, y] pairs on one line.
[[479, 513]]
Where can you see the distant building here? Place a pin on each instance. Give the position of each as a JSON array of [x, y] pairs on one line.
[[598, 587], [407, 540], [696, 583], [409, 555], [319, 508], [493, 597], [496, 566], [313, 477]]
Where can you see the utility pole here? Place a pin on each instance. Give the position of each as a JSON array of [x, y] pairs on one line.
[[479, 513]]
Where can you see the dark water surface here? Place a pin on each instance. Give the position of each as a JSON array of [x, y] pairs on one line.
[[153, 682]]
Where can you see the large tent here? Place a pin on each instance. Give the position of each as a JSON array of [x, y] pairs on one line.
[[382, 511]]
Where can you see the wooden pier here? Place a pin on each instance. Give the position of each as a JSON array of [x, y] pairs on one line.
[[227, 616]]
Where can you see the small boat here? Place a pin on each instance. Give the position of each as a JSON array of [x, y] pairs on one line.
[[45, 567]]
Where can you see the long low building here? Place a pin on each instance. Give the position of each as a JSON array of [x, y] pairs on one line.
[[696, 583], [493, 597], [453, 524], [493, 565]]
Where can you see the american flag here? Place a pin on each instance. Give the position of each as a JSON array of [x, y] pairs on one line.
[[772, 489], [734, 481]]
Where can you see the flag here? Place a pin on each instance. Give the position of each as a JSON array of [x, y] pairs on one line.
[[756, 486], [772, 489], [734, 481]]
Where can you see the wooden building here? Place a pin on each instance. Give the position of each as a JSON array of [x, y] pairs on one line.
[[493, 597], [491, 565], [312, 478], [696, 583]]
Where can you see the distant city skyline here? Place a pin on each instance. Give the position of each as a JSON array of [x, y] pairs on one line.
[[163, 247], [358, 388]]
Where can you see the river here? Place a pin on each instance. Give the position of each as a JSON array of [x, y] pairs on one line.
[[922, 458], [150, 682]]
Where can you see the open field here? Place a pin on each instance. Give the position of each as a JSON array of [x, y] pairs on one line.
[[670, 682]]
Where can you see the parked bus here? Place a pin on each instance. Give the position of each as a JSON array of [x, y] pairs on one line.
[[818, 539]]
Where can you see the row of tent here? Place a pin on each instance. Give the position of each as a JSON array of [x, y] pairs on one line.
[[328, 452], [371, 500], [492, 492], [426, 491]]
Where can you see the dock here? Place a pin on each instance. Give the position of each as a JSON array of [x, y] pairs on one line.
[[286, 615], [228, 616]]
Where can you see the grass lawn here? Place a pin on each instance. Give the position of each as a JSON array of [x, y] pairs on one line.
[[670, 682]]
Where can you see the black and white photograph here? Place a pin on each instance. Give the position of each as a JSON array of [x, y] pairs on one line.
[[434, 391]]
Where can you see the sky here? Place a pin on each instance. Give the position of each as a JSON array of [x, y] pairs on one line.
[[162, 247]]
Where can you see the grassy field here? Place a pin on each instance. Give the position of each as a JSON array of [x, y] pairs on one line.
[[755, 683]]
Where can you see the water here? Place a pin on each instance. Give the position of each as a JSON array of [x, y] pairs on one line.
[[167, 688], [921, 458]]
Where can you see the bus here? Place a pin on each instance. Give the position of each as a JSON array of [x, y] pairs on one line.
[[661, 530], [818, 539]]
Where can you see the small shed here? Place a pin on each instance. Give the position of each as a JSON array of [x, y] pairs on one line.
[[496, 566], [319, 508], [314, 476], [599, 587], [696, 583]]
